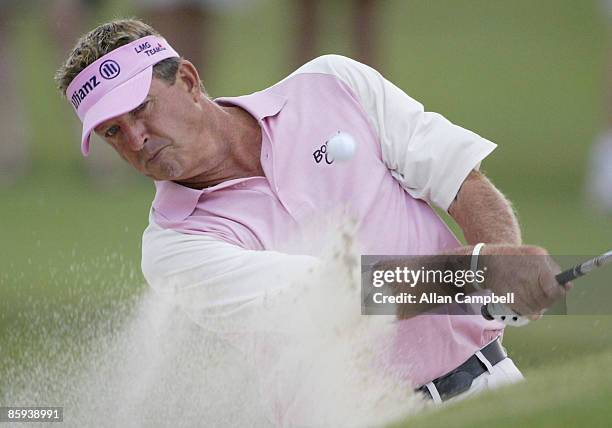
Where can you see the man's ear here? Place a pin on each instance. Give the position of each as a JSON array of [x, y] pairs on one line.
[[189, 78]]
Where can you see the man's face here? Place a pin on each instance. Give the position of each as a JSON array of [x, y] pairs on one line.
[[165, 137]]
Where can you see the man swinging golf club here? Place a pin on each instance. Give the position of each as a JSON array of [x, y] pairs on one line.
[[239, 177]]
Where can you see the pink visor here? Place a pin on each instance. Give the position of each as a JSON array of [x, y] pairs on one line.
[[116, 83]]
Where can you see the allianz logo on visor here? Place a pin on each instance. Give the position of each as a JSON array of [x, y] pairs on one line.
[[79, 94], [109, 69]]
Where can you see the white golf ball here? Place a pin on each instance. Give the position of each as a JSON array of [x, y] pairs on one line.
[[341, 147]]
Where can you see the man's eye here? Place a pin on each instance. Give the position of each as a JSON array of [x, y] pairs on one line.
[[112, 131]]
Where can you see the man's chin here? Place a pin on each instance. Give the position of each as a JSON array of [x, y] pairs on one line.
[[167, 171]]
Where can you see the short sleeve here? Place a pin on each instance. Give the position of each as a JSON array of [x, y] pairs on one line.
[[427, 154]]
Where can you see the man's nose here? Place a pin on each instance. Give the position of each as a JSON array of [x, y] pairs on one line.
[[136, 136]]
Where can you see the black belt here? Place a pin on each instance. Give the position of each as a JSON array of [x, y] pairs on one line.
[[460, 379]]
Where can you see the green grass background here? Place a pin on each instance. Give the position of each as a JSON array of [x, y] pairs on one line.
[[528, 75]]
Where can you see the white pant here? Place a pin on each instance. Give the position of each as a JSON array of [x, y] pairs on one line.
[[502, 373]]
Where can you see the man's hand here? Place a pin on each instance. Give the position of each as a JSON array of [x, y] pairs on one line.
[[485, 215], [527, 271]]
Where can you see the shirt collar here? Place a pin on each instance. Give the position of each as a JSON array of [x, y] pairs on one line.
[[260, 104], [174, 201]]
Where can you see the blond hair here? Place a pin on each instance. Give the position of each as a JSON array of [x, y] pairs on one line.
[[104, 39]]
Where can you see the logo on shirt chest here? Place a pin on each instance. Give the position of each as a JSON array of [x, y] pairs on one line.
[[321, 155]]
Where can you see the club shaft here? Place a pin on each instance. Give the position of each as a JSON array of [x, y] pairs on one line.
[[583, 268]]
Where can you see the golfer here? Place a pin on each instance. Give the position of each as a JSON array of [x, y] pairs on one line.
[[237, 179]]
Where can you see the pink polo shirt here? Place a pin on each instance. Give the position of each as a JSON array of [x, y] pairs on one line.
[[406, 159]]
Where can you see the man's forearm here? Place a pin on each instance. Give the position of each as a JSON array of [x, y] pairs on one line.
[[484, 214]]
